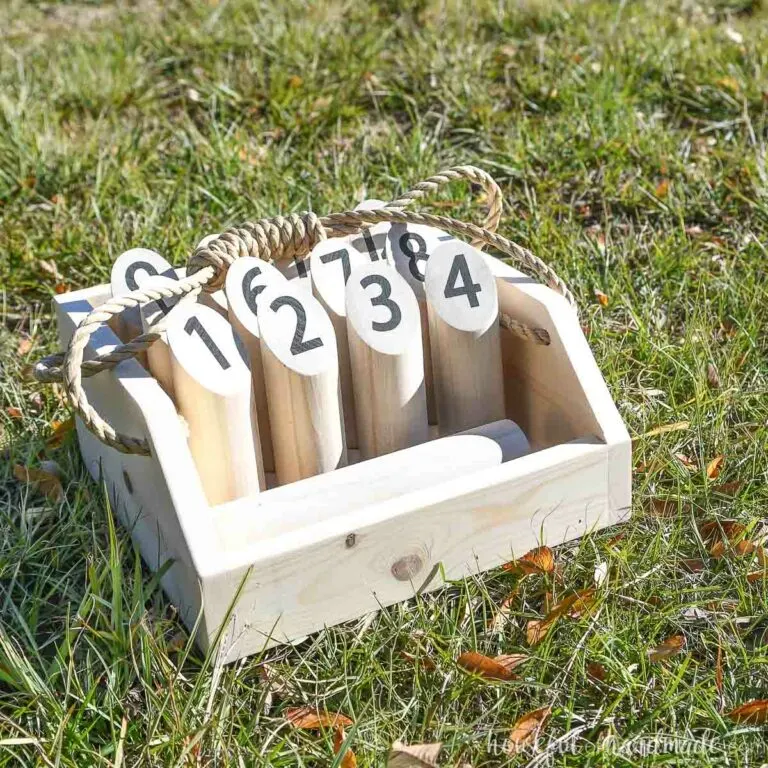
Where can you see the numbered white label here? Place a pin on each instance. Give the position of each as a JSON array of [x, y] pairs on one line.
[[460, 286], [331, 263], [205, 345], [410, 246], [296, 329], [133, 267], [382, 308], [246, 279], [372, 241]]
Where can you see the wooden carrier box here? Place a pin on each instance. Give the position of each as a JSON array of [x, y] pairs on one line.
[[278, 571]]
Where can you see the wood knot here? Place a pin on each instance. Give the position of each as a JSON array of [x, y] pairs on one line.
[[407, 567]]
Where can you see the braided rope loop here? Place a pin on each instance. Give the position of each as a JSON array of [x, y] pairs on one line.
[[273, 239]]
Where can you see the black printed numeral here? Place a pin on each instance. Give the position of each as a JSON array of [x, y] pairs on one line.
[[460, 270], [383, 300], [252, 293], [414, 255], [369, 243], [342, 254], [298, 345], [193, 325], [132, 283]]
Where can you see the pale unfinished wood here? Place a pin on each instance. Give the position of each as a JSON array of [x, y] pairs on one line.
[[301, 372], [307, 502], [246, 279], [212, 386], [387, 363], [464, 338], [331, 262], [343, 565], [409, 248]]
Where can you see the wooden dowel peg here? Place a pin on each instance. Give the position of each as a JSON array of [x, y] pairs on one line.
[[245, 280], [129, 271], [409, 247], [372, 241], [384, 336], [463, 309], [301, 373], [159, 355], [214, 395], [331, 263], [357, 487]]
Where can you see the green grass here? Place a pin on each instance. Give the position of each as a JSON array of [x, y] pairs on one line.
[[156, 123]]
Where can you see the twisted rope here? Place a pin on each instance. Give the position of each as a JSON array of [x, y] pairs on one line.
[[280, 237]]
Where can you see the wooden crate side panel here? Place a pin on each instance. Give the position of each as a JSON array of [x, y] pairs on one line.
[[150, 495], [556, 393], [313, 578]]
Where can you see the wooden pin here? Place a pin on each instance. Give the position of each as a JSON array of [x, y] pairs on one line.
[[129, 271], [383, 330], [331, 262], [159, 355], [409, 247], [301, 373], [214, 395], [245, 280], [372, 241], [463, 309]]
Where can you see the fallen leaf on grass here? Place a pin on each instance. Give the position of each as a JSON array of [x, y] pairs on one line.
[[413, 755], [596, 671], [539, 560], [664, 507], [726, 537], [46, 482], [527, 729], [419, 661], [754, 712], [693, 565], [670, 647], [713, 377], [60, 430], [25, 344], [536, 630], [729, 489], [686, 461], [662, 188], [348, 760], [602, 298], [310, 718], [14, 413], [714, 467], [573, 606], [498, 668]]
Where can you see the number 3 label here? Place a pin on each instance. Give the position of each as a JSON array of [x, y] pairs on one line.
[[382, 308]]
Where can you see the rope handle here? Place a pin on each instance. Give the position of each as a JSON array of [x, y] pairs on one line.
[[273, 239]]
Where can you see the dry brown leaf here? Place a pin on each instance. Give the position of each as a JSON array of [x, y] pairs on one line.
[[602, 298], [60, 288], [413, 755], [664, 507], [714, 467], [726, 537], [693, 565], [662, 188], [713, 377], [486, 667], [45, 482], [539, 560], [419, 661], [686, 461], [754, 712], [729, 489], [60, 430], [614, 540], [511, 661], [596, 671], [527, 729], [348, 760], [678, 426], [14, 413], [756, 576], [25, 344], [314, 719], [670, 647], [536, 630]]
